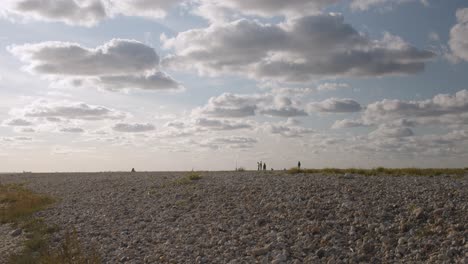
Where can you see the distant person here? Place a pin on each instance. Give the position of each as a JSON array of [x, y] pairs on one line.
[[258, 165], [264, 166], [133, 170], [299, 165], [261, 165]]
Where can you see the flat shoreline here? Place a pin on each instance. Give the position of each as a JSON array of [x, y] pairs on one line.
[[251, 216]]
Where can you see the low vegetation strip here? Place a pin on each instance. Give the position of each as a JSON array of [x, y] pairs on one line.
[[385, 171], [17, 207]]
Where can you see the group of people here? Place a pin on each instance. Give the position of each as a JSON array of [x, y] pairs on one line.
[[261, 166]]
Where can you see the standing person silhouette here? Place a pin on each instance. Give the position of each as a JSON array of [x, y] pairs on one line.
[[260, 168], [264, 166], [299, 165]]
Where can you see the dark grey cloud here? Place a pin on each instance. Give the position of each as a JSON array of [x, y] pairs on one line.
[[154, 81], [296, 51], [133, 127], [17, 122], [335, 105], [116, 57], [119, 64]]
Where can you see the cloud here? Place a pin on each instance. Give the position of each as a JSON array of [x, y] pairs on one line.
[[116, 57], [15, 140], [335, 105], [233, 142], [282, 107], [72, 130], [119, 64], [86, 12], [25, 130], [433, 36], [17, 122], [298, 50], [72, 12], [391, 132], [458, 41], [348, 123], [153, 81], [290, 128], [442, 108], [133, 128], [57, 110], [215, 124], [332, 86], [220, 10], [66, 150], [230, 105], [363, 5]]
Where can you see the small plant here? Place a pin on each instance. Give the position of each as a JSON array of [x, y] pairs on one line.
[[241, 169], [194, 176], [70, 251]]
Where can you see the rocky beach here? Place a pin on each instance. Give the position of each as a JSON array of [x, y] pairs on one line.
[[257, 217]]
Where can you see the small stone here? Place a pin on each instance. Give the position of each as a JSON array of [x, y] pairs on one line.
[[260, 222], [261, 251], [418, 213], [16, 232], [320, 253]]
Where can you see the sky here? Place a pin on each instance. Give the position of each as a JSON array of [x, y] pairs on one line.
[[107, 85]]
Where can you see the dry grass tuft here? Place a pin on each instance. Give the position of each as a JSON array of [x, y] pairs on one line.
[[190, 178], [17, 206], [18, 203]]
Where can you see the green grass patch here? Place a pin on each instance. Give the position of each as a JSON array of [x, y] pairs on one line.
[[385, 171], [190, 178]]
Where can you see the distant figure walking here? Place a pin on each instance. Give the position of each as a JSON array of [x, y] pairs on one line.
[[264, 166], [299, 165], [133, 170]]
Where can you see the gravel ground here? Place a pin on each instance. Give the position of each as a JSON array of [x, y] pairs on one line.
[[10, 242], [263, 217]]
